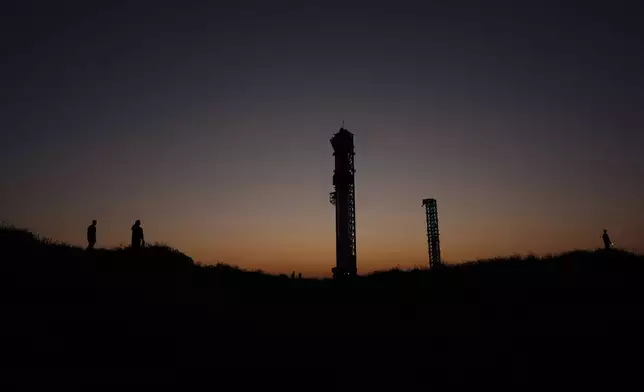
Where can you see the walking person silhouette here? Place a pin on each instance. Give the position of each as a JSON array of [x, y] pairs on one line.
[[137, 235], [91, 235]]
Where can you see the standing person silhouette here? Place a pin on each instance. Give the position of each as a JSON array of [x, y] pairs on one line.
[[137, 235], [606, 238], [91, 235]]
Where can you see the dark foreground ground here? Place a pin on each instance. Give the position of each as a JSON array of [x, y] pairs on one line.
[[152, 316]]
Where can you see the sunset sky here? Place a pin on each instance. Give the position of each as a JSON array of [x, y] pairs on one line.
[[210, 122]]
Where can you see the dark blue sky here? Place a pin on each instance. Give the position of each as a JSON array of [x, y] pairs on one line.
[[210, 121]]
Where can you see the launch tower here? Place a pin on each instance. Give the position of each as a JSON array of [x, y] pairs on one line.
[[344, 200], [433, 243]]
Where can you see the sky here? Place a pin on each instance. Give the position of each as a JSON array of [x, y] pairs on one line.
[[210, 122]]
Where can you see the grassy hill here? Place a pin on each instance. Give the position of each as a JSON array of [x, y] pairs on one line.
[[153, 315]]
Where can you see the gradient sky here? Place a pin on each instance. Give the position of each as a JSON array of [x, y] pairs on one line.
[[210, 122]]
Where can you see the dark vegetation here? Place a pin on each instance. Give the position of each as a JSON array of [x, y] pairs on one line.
[[152, 315]]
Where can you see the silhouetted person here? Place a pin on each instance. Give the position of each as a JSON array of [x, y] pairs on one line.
[[91, 235], [137, 235], [299, 276], [293, 275], [606, 238]]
